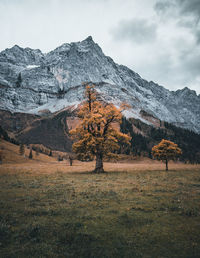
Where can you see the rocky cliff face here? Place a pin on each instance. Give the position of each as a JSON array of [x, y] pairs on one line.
[[36, 83]]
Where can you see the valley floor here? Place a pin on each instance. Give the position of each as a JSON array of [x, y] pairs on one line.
[[49, 209], [13, 162]]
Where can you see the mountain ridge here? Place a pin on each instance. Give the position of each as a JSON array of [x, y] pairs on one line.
[[56, 79]]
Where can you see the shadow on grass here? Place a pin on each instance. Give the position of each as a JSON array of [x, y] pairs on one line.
[[93, 173]]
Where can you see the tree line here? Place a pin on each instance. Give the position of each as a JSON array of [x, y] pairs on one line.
[[187, 140]]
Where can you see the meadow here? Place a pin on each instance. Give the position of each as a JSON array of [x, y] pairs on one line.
[[136, 209]]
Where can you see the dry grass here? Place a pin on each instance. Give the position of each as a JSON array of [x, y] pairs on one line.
[[49, 209], [11, 155], [78, 167], [44, 164]]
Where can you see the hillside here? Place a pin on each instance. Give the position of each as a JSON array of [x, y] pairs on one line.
[[144, 137], [52, 131], [11, 155]]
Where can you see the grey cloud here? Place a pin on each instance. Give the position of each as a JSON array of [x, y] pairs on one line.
[[185, 23], [163, 6], [190, 60], [184, 73], [186, 68], [135, 30], [187, 13], [192, 27], [190, 7]]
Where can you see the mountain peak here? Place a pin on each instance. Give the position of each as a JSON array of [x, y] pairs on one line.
[[67, 46], [89, 39], [17, 48], [14, 48], [186, 90]]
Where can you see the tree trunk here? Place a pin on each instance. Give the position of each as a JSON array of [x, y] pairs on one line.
[[166, 162], [99, 164]]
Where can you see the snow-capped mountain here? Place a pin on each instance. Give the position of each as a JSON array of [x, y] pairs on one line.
[[32, 82]]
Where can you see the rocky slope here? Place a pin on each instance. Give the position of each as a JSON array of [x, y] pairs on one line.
[[38, 83]]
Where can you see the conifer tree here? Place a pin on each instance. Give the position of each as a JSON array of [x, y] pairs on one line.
[[30, 154], [1, 157], [21, 149], [165, 151], [70, 160], [60, 158], [37, 151], [96, 135]]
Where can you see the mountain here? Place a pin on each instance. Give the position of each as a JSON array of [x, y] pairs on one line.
[[37, 83]]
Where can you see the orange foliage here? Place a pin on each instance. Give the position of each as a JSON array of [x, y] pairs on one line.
[[165, 151], [96, 135]]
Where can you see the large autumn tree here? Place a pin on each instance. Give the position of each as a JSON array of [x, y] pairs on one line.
[[96, 136], [165, 151]]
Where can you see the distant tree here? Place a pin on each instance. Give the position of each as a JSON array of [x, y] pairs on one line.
[[149, 155], [60, 158], [70, 160], [1, 157], [4, 134], [30, 154], [165, 151], [36, 149], [21, 149], [96, 136], [19, 80], [45, 151]]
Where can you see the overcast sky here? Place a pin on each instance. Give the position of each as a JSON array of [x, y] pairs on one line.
[[159, 39]]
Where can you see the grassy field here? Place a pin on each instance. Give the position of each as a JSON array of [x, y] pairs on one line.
[[49, 209]]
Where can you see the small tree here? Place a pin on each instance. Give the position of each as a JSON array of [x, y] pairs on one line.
[[165, 151], [70, 160], [21, 149], [37, 151], [149, 155], [60, 158], [1, 157], [96, 136], [30, 154]]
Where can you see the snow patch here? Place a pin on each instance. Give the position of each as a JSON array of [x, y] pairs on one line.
[[32, 66], [53, 106], [136, 115], [108, 81]]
